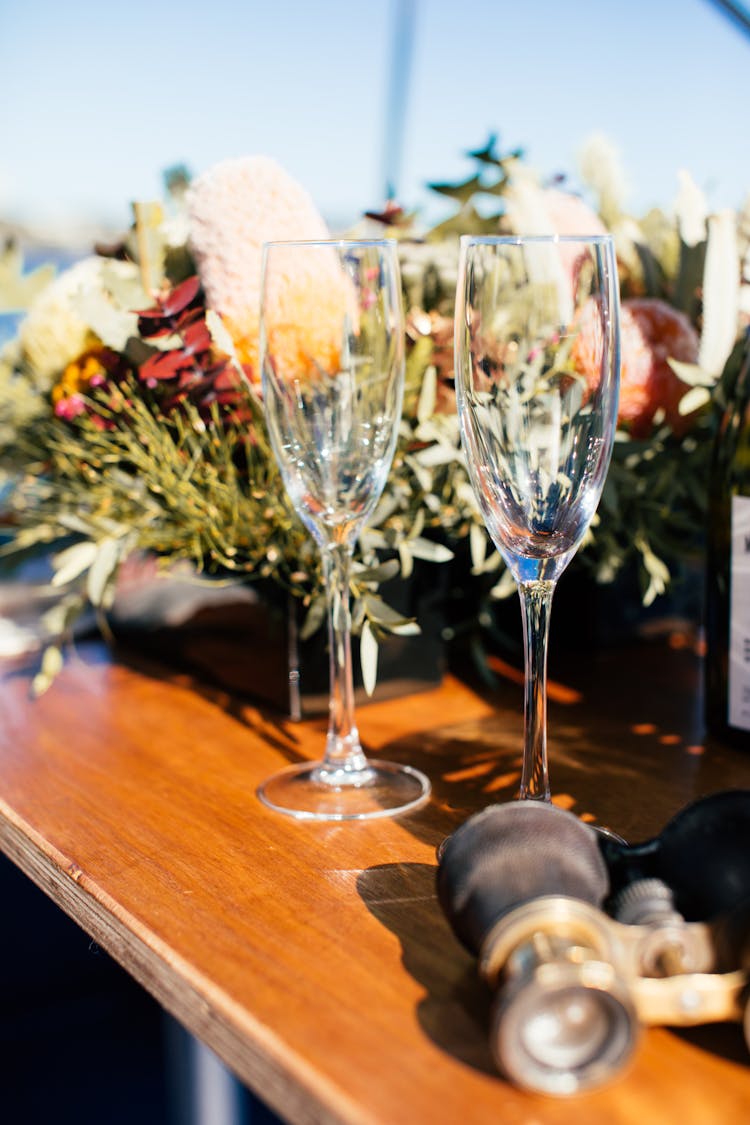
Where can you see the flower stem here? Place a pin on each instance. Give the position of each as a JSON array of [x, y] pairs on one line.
[[536, 603]]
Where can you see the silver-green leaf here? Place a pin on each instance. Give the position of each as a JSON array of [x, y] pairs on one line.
[[368, 657]]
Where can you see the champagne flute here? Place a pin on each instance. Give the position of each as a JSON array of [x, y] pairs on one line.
[[332, 354], [537, 359]]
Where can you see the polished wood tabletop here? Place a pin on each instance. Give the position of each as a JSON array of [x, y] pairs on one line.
[[314, 958]]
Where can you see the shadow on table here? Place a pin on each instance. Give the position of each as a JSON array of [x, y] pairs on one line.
[[626, 744], [725, 1039], [455, 1010]]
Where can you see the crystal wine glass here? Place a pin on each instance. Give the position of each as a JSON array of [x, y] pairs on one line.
[[332, 353], [537, 362]]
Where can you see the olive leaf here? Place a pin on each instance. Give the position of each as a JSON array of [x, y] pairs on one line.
[[103, 569], [429, 550], [368, 657], [51, 666], [382, 614], [72, 562]]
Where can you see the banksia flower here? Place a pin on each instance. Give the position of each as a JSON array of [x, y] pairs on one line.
[[234, 208]]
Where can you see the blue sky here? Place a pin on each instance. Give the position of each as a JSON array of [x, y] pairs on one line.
[[99, 98]]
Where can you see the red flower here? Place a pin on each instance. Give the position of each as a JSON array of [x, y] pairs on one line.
[[652, 333]]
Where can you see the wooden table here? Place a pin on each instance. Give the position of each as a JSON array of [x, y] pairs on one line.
[[313, 958]]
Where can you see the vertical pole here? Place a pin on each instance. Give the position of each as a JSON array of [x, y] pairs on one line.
[[402, 44]]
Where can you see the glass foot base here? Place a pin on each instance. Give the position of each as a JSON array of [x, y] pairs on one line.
[[314, 792]]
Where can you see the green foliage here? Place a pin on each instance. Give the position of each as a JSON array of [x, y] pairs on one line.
[[490, 181], [180, 467]]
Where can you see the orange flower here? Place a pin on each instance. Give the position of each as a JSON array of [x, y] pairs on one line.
[[296, 355], [309, 301]]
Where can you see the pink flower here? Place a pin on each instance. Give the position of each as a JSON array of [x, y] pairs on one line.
[[569, 214], [544, 211], [71, 407]]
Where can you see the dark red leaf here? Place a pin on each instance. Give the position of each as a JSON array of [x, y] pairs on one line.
[[181, 297], [189, 377], [189, 316], [154, 313], [392, 214], [196, 337], [227, 379], [210, 374], [151, 327], [164, 365], [175, 301]]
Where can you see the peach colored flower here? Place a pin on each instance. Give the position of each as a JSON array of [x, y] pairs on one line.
[[234, 208], [652, 332], [310, 301]]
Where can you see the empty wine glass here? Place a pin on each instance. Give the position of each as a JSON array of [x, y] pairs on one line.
[[332, 353], [537, 359]]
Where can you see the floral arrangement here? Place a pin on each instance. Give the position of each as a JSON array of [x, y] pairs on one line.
[[131, 412], [685, 310]]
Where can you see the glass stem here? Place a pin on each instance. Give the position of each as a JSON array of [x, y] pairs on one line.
[[343, 749], [536, 603]]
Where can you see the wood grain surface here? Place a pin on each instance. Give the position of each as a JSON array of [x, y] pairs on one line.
[[314, 958]]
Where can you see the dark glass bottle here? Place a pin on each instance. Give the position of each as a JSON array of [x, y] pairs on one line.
[[727, 665]]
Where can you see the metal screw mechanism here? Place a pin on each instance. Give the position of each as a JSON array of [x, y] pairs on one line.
[[668, 947], [671, 963]]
